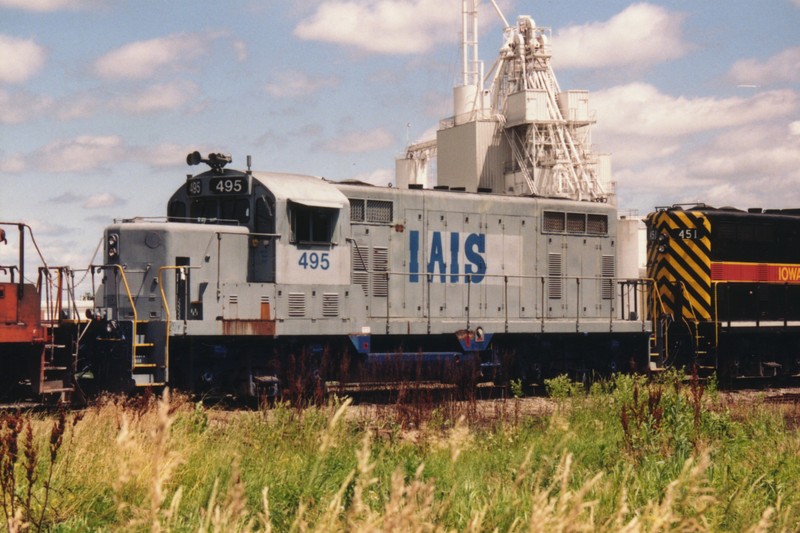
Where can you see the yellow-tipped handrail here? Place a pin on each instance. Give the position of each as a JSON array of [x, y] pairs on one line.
[[167, 314], [133, 308]]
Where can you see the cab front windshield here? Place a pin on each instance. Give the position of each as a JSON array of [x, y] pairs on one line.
[[233, 211]]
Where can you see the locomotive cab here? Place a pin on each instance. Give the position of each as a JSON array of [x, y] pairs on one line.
[[294, 222]]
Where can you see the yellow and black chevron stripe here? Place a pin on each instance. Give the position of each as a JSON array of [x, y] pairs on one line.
[[678, 250]]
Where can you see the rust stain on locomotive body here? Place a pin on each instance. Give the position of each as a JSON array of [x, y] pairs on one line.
[[248, 327]]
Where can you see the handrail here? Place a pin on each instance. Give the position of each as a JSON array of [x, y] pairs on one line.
[[536, 290], [167, 314], [133, 307]]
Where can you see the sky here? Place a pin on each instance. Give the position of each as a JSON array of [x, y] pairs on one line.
[[101, 100]]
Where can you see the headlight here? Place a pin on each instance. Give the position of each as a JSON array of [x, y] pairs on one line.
[[113, 245]]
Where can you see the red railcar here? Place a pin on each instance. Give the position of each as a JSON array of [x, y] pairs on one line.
[[36, 354]]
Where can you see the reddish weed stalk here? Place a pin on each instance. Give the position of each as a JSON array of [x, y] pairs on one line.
[[18, 509]]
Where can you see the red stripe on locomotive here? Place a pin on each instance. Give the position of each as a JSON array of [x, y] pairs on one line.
[[755, 272]]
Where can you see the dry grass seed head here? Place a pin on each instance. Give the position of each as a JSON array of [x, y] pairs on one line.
[[568, 511], [328, 437]]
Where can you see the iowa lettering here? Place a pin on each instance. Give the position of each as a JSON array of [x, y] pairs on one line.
[[444, 254], [789, 273]]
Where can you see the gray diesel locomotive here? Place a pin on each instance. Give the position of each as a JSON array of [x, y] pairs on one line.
[[275, 281], [259, 282]]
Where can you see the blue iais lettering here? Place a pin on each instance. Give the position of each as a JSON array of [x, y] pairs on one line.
[[474, 250], [437, 256], [474, 247], [454, 242], [413, 262]]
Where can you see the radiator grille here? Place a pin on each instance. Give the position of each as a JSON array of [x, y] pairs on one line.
[[379, 211], [576, 223], [356, 210], [597, 224], [553, 222]]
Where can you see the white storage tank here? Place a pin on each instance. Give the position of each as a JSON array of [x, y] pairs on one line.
[[631, 247], [465, 102]]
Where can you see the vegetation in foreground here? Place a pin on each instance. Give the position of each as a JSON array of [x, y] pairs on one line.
[[629, 455]]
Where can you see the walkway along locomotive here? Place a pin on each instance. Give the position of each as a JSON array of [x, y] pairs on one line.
[[508, 267], [259, 279]]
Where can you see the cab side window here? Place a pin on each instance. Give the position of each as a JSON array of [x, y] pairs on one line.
[[311, 224]]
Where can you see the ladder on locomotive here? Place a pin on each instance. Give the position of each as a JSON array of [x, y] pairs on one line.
[[55, 371], [149, 340], [659, 337], [703, 350], [704, 360]]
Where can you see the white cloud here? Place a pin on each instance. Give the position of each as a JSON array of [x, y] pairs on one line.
[[80, 106], [364, 141], [154, 98], [782, 67], [296, 83], [642, 34], [22, 59], [142, 59], [12, 164], [240, 47], [46, 6], [18, 107], [757, 150], [159, 97], [99, 200], [640, 109], [381, 26], [749, 166], [627, 150], [82, 154]]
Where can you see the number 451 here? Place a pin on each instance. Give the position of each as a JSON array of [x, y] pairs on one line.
[[313, 260]]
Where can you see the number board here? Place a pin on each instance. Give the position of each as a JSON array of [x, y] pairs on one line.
[[237, 185], [194, 187], [687, 234]]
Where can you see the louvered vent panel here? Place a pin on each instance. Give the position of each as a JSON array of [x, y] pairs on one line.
[[380, 267], [554, 276], [608, 267], [359, 260], [330, 304], [297, 304], [233, 299], [362, 278], [379, 211]]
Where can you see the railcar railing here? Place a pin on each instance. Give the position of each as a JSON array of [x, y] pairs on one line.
[[581, 299]]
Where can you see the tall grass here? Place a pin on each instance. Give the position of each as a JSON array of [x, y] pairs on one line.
[[629, 455]]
